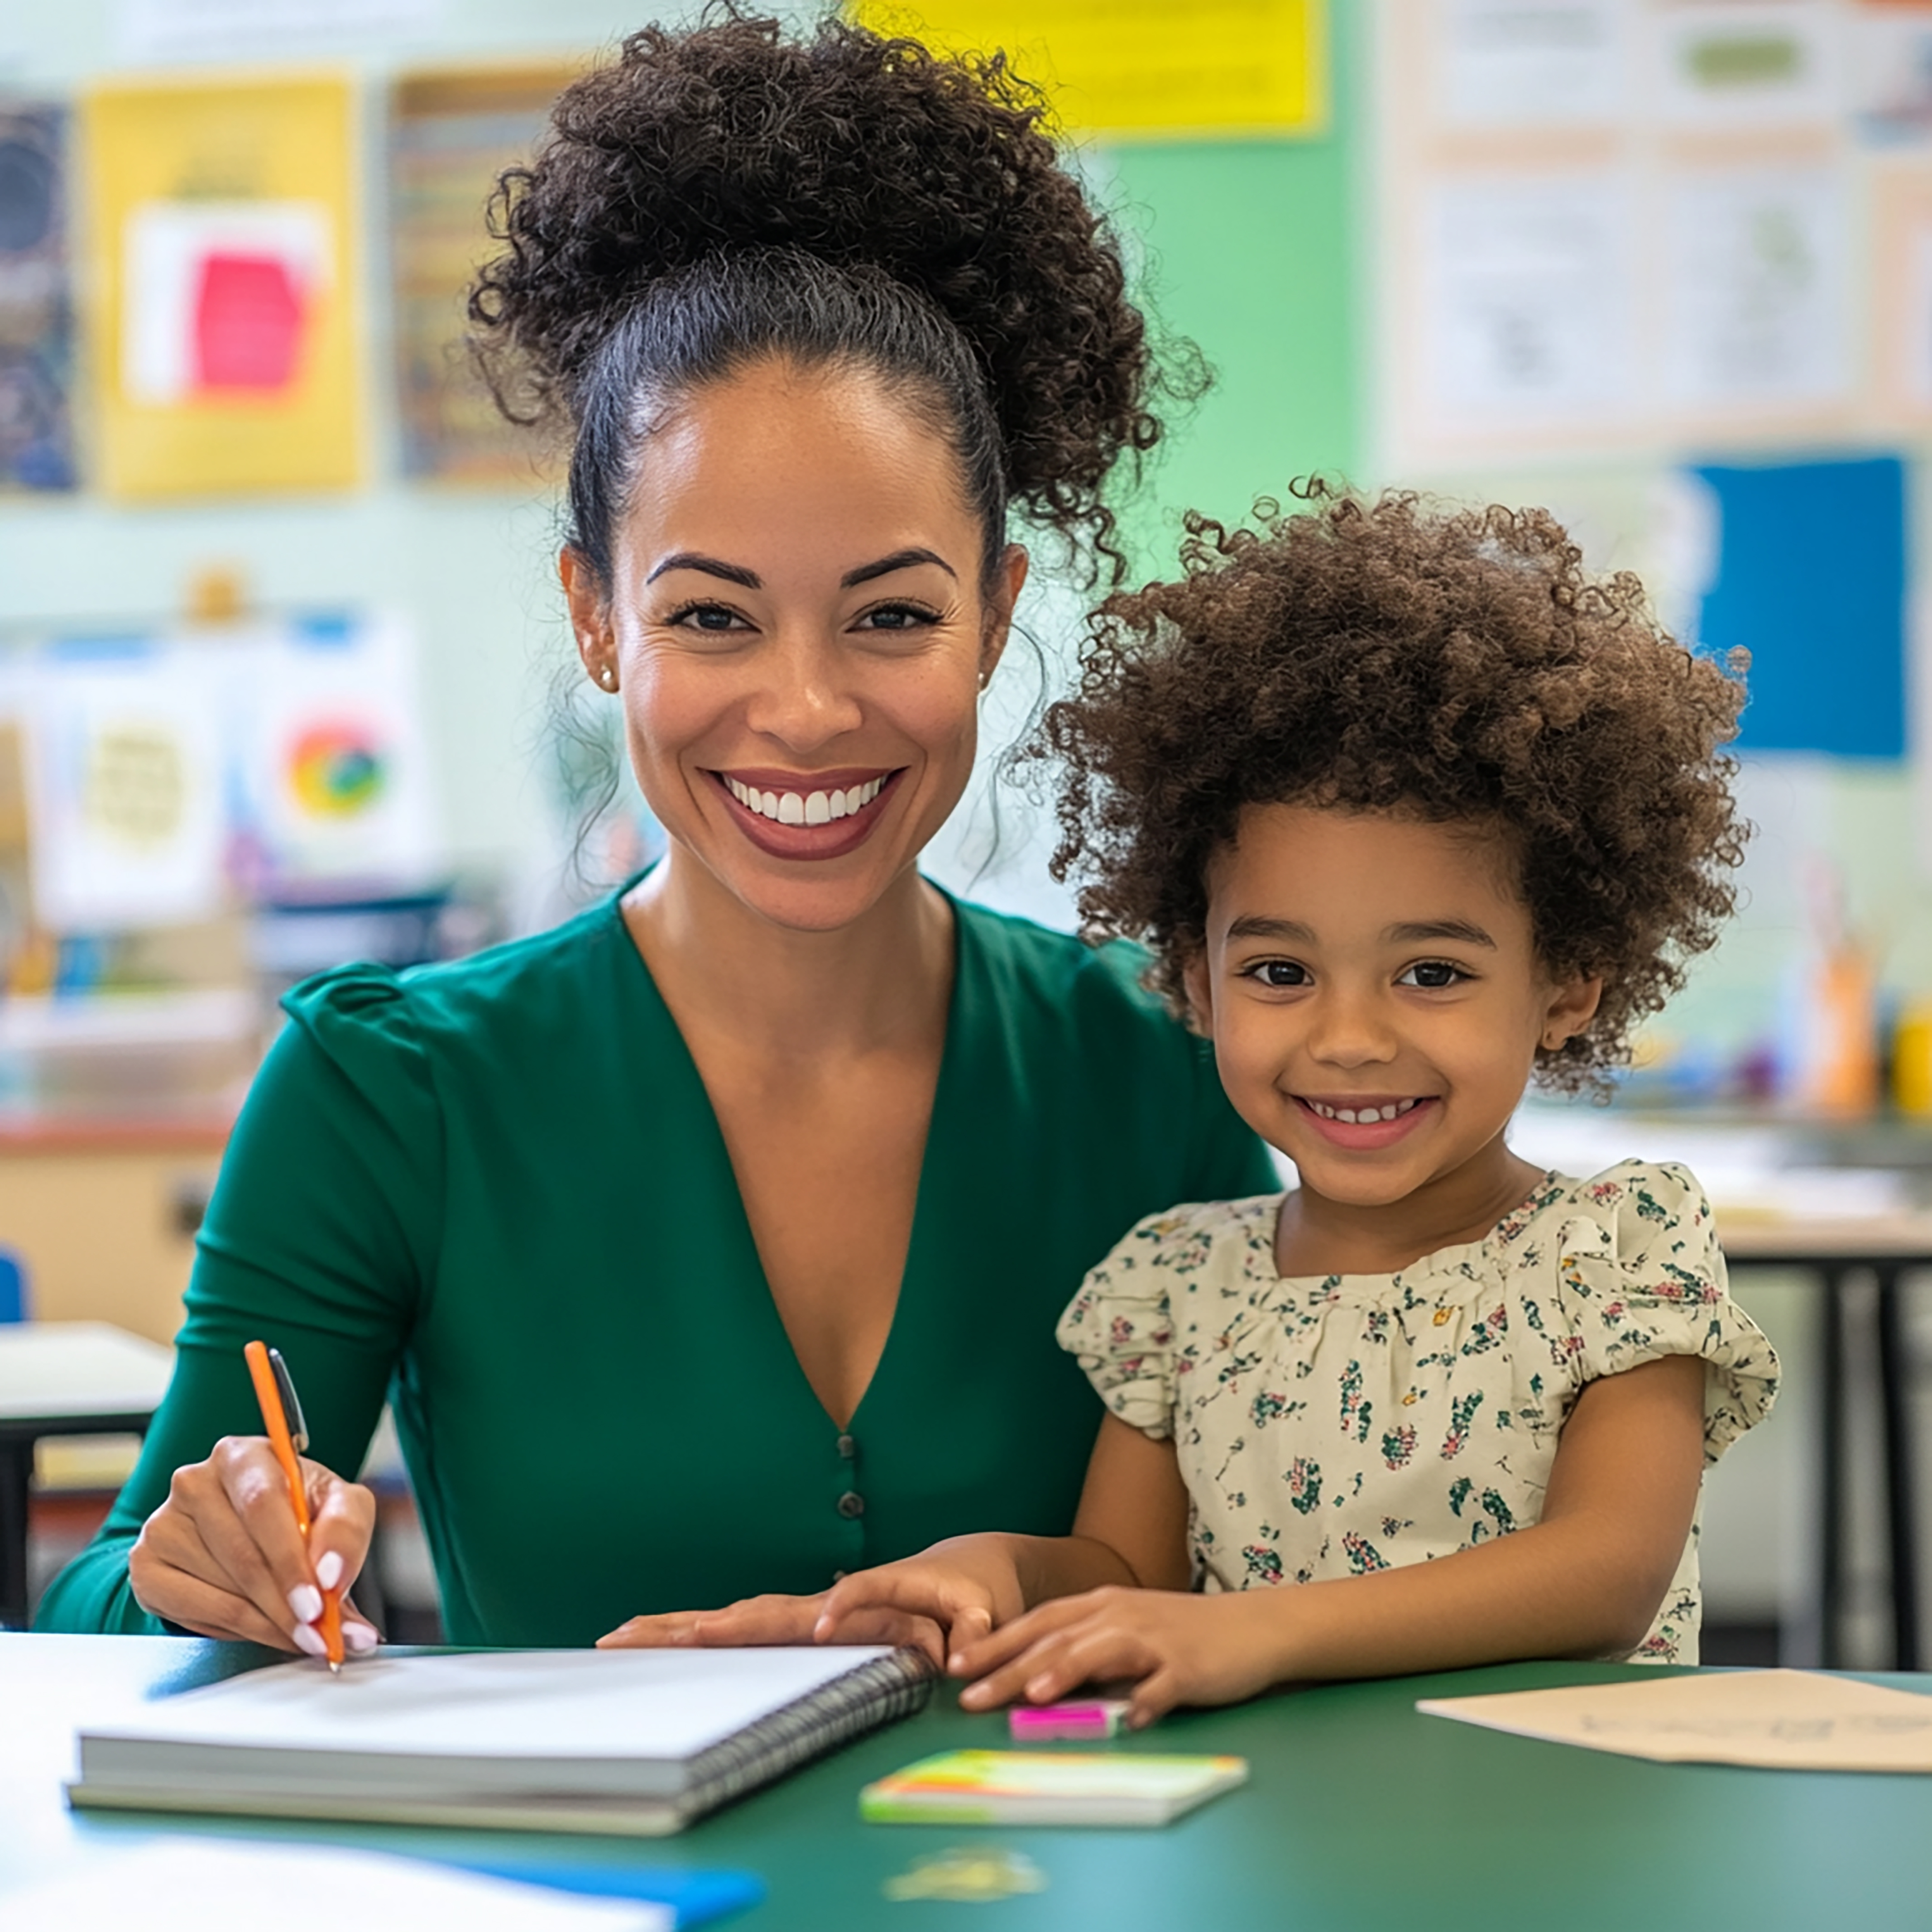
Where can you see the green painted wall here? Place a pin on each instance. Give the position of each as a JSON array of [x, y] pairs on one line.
[[1251, 252]]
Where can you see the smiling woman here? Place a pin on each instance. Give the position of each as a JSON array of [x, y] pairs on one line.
[[712, 1244]]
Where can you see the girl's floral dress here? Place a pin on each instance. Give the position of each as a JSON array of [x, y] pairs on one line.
[[1328, 1427]]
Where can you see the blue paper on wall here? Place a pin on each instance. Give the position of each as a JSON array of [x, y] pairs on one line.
[[1808, 574]]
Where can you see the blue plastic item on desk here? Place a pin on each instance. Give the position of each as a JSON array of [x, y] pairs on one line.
[[697, 1896]]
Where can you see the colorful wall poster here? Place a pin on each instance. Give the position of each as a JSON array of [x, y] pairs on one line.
[[333, 768], [36, 301], [1806, 572], [451, 134], [225, 316], [1500, 64], [1723, 63], [1757, 295], [124, 760], [1526, 288], [1222, 70]]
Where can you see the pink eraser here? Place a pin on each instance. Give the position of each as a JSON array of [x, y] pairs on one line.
[[1094, 1717]]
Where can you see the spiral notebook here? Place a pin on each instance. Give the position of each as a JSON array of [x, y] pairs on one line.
[[636, 1742]]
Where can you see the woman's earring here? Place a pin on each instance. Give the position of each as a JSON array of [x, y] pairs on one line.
[[607, 678]]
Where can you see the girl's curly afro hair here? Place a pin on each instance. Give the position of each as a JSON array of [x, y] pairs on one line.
[[865, 154], [1377, 655]]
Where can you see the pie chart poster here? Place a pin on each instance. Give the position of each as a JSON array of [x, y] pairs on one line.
[[224, 330], [1806, 571]]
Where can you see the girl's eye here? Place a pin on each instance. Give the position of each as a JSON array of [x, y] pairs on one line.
[[896, 617], [715, 617], [1278, 973], [1433, 974]]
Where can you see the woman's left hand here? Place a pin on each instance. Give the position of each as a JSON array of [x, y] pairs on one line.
[[1175, 1648], [772, 1620]]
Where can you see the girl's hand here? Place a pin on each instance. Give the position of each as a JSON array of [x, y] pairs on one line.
[[964, 1588], [222, 1556], [770, 1620], [1176, 1647]]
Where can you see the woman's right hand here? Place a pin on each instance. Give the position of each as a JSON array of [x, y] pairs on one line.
[[222, 1556]]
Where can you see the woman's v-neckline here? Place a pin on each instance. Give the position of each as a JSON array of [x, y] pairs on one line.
[[896, 1342]]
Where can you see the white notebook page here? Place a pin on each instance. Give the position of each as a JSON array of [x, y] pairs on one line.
[[658, 1704]]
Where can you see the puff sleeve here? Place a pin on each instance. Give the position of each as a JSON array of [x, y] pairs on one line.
[[1643, 1277], [1120, 1326]]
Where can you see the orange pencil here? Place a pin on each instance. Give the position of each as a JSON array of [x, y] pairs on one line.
[[276, 1393]]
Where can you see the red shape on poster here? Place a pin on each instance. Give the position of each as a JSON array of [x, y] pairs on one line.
[[248, 317]]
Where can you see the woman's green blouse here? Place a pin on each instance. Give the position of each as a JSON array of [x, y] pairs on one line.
[[495, 1193]]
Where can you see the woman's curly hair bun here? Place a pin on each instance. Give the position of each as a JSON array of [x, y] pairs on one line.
[[1376, 654], [862, 151]]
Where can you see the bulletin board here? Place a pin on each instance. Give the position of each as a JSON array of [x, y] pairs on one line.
[[1623, 224], [1143, 69], [220, 221]]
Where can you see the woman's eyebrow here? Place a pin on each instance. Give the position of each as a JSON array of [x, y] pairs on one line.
[[691, 559], [900, 559], [1470, 934]]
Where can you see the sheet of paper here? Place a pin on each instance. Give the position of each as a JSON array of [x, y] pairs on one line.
[[222, 221], [1720, 64], [186, 1885], [1784, 1719], [1757, 289], [327, 722], [1501, 63], [1525, 298], [656, 1704], [221, 297], [124, 782]]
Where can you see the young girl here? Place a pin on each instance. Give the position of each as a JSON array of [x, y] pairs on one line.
[[1412, 812]]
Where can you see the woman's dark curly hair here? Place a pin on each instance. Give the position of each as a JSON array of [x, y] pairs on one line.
[[1379, 654], [734, 190]]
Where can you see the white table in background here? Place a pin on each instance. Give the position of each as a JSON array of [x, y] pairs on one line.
[[63, 1378]]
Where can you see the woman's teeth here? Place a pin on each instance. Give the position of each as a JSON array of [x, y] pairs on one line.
[[810, 808], [1355, 1116]]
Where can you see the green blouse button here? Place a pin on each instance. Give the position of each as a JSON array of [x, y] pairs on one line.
[[851, 1504]]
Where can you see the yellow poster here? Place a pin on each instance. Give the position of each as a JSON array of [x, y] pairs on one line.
[[1145, 70], [224, 326]]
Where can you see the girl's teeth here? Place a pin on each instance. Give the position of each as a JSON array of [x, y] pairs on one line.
[[816, 807], [1356, 1116]]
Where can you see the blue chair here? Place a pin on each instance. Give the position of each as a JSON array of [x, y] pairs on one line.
[[14, 1303]]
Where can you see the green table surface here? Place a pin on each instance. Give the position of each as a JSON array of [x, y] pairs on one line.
[[1359, 1814]]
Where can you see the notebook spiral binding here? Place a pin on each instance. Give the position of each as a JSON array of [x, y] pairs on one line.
[[866, 1698]]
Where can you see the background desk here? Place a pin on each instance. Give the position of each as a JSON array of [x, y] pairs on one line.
[[1361, 1814], [63, 1378], [1886, 1247]]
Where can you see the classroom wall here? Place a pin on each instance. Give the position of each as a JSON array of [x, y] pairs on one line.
[[1244, 247]]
